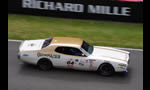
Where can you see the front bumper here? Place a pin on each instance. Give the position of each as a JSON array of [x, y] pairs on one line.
[[18, 56], [129, 59]]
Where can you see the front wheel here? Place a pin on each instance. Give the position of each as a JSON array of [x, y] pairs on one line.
[[45, 65], [106, 69]]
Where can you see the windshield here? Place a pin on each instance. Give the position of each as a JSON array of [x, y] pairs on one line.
[[88, 48], [47, 42]]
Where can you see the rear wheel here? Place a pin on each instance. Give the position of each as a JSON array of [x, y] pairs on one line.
[[106, 69], [45, 64]]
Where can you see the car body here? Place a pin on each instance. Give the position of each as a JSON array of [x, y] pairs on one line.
[[73, 53]]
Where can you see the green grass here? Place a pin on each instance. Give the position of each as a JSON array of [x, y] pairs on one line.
[[104, 33]]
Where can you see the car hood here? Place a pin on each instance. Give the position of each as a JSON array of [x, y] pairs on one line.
[[111, 53], [29, 45]]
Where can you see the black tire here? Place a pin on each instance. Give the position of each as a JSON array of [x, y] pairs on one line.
[[106, 69], [45, 64]]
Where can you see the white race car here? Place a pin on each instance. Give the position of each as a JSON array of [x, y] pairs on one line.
[[74, 53]]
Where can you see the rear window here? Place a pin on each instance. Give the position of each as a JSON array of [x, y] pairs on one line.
[[47, 42]]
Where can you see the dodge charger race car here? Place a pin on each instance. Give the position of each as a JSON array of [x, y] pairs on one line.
[[73, 53]]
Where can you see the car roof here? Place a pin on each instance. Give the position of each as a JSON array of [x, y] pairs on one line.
[[67, 41]]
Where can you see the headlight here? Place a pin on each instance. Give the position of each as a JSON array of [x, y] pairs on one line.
[[21, 45]]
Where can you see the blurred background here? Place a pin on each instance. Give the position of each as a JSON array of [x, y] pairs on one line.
[[115, 23]]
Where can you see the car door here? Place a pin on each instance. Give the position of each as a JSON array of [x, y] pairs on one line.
[[72, 58]]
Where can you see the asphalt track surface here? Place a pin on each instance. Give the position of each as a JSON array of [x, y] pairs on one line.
[[28, 77]]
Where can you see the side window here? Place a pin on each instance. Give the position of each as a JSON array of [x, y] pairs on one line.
[[69, 51], [60, 49], [75, 51]]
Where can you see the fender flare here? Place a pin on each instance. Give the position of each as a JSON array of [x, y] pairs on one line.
[[44, 59], [106, 63]]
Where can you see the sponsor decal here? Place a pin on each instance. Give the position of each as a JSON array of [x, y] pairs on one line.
[[76, 60], [70, 63], [25, 55], [91, 60], [91, 67], [43, 54], [108, 10], [81, 63], [76, 7], [54, 6], [122, 65], [86, 61], [56, 56], [48, 55]]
